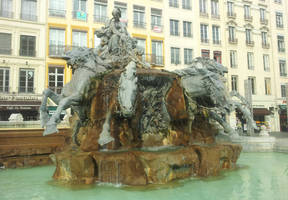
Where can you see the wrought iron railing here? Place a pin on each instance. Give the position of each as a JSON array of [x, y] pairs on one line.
[[57, 13], [29, 17]]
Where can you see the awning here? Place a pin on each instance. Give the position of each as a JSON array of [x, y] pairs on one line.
[[20, 105], [261, 111]]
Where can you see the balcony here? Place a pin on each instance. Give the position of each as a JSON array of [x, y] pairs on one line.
[[281, 50], [25, 89], [154, 59], [157, 28], [6, 14], [138, 24], [218, 42], [57, 90], [283, 74], [5, 51], [5, 89], [29, 17], [231, 15], [204, 40], [57, 50], [27, 52], [215, 16], [57, 13], [265, 45], [248, 18], [250, 43], [264, 21], [204, 14], [80, 15], [233, 40], [100, 18]]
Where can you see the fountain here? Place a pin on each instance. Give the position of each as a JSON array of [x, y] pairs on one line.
[[135, 125]]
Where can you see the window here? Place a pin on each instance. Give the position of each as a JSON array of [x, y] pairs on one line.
[[215, 8], [281, 43], [252, 83], [79, 38], [250, 60], [262, 14], [247, 14], [5, 41], [231, 30], [157, 52], [188, 56], [278, 1], [204, 33], [173, 3], [6, 8], [216, 34], [141, 44], [26, 81], [29, 10], [283, 90], [266, 63], [230, 8], [267, 82], [100, 11], [97, 41], [4, 79], [234, 83], [248, 36], [187, 29], [57, 8], [282, 66], [123, 7], [217, 56], [156, 20], [175, 55], [279, 20], [205, 53], [233, 59], [56, 41], [139, 16], [203, 6], [56, 78], [264, 38], [79, 10], [174, 27], [186, 4], [27, 45]]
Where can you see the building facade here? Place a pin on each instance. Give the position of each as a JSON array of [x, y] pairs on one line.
[[22, 57], [249, 37]]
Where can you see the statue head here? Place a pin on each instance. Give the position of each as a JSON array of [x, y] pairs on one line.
[[116, 13]]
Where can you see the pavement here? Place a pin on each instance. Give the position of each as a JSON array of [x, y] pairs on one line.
[[281, 144]]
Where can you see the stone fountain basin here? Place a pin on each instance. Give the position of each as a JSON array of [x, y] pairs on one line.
[[144, 166]]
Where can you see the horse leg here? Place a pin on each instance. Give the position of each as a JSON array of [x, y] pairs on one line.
[[51, 126], [44, 117], [227, 128]]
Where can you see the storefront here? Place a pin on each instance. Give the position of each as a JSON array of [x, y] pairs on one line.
[[259, 115], [28, 106], [283, 118]]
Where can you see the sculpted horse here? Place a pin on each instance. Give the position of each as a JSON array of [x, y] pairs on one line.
[[204, 85], [84, 64]]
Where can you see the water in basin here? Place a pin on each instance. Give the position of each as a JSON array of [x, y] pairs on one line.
[[260, 176]]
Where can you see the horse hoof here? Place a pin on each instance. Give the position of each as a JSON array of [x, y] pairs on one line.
[[50, 129]]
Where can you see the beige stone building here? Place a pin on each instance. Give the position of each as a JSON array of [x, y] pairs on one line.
[[249, 37], [22, 57], [243, 35]]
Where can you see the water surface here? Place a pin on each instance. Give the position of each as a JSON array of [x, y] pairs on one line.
[[260, 176]]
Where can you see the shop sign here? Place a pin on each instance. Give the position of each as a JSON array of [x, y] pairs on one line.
[[19, 98]]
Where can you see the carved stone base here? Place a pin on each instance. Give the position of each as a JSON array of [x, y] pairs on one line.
[[142, 167]]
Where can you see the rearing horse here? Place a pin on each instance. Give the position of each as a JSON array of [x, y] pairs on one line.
[[85, 64]]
